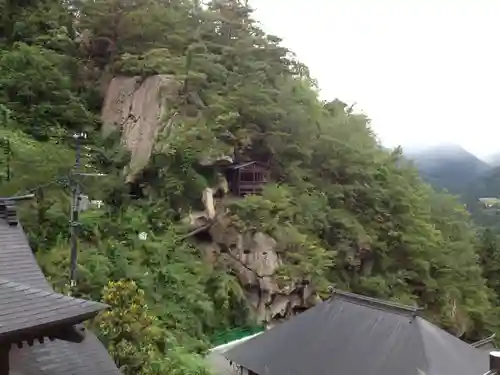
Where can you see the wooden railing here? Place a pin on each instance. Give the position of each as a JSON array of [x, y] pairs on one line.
[[252, 188]]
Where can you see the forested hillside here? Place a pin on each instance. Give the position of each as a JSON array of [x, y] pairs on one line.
[[452, 168], [482, 197], [449, 167], [344, 211]]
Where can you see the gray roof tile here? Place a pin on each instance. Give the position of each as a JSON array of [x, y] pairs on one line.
[[17, 264], [350, 334], [63, 358], [25, 307]]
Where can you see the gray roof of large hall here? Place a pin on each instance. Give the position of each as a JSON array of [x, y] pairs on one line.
[[353, 334]]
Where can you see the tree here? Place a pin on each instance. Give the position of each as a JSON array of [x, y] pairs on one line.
[[129, 329], [489, 255], [344, 211], [135, 337]]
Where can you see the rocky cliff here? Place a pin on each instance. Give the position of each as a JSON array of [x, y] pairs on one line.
[[253, 258], [142, 109]]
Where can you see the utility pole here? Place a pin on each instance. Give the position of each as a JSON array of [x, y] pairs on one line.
[[5, 143], [75, 205], [8, 158]]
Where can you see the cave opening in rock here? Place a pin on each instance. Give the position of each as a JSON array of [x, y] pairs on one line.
[[203, 236], [135, 190]]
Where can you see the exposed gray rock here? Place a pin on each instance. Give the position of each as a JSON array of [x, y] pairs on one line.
[[252, 257], [195, 219], [254, 260], [137, 108]]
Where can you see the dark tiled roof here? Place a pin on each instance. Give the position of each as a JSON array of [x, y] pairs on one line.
[[24, 307], [351, 334], [17, 264], [63, 358]]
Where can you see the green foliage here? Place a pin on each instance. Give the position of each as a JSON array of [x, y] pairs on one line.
[[178, 285], [134, 337], [489, 253], [37, 89], [128, 329], [343, 210], [452, 168], [290, 219], [30, 162]]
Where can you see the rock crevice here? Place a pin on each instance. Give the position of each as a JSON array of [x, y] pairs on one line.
[[143, 110], [254, 260]]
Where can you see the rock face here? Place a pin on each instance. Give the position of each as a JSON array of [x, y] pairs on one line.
[[138, 108], [253, 258], [255, 261], [141, 108]]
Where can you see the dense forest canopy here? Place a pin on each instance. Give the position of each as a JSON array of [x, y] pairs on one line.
[[449, 167], [473, 181], [344, 211]]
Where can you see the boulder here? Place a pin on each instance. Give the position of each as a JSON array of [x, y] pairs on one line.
[[138, 108]]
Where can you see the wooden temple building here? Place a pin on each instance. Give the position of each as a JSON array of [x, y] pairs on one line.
[[40, 330], [247, 178]]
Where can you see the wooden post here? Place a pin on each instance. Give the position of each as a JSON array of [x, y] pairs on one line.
[[238, 181], [495, 362], [4, 360]]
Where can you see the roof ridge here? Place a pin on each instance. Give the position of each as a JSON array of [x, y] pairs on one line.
[[377, 303], [485, 340]]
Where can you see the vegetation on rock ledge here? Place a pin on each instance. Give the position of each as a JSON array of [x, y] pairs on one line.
[[343, 210]]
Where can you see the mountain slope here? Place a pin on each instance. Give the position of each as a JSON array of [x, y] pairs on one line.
[[488, 185], [493, 159], [448, 167], [342, 212]]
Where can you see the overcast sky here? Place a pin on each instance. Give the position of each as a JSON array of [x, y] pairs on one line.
[[425, 71]]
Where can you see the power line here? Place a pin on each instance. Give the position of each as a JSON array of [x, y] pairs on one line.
[[74, 183], [76, 198]]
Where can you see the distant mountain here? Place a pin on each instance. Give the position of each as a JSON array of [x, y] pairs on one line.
[[475, 181], [488, 185], [493, 160], [449, 167]]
